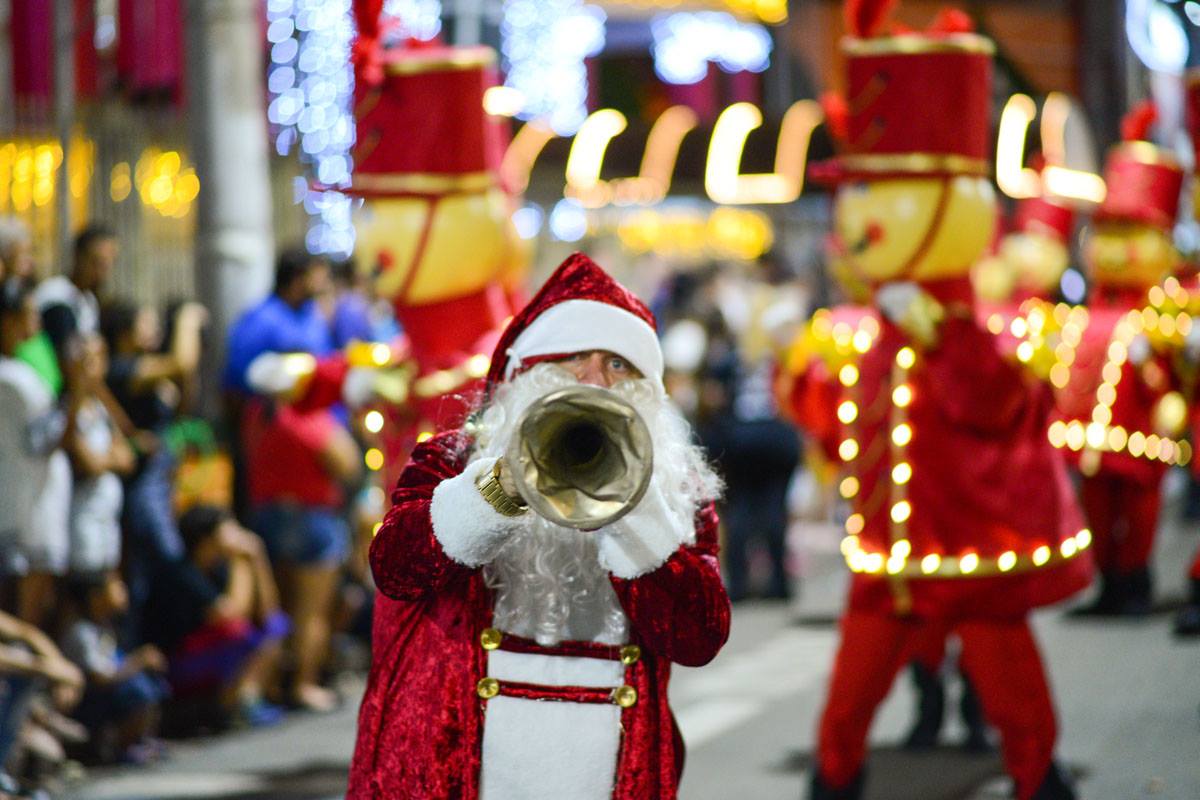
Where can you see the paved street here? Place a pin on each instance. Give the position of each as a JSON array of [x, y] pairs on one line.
[[1129, 699]]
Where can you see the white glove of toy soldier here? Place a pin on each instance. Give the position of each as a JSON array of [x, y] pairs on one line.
[[911, 309]]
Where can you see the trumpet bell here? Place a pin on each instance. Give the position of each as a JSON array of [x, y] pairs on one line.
[[582, 457]]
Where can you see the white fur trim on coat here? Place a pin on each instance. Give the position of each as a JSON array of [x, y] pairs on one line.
[[470, 531], [643, 540], [575, 326]]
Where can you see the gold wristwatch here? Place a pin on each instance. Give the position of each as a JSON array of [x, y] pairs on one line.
[[494, 493]]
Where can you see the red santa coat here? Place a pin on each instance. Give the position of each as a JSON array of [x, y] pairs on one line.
[[420, 726], [983, 521]]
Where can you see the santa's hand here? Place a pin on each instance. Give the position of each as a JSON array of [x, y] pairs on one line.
[[642, 540], [470, 529], [911, 309]]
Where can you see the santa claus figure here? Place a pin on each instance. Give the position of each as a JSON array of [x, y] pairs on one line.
[[517, 657], [963, 515]]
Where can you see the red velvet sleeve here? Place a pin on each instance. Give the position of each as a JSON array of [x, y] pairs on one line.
[[406, 558], [976, 386], [680, 611]]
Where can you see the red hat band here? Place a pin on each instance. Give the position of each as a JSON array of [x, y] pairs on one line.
[[423, 130], [1041, 215], [919, 104], [1143, 183]]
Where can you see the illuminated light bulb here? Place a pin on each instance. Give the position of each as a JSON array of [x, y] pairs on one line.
[[862, 341], [1083, 539], [1111, 373], [1117, 353], [870, 325], [478, 365], [1171, 285], [1071, 334], [1006, 561], [931, 563], [1136, 444], [1117, 437], [895, 566], [373, 421], [902, 396], [1167, 451], [1135, 321], [1025, 352], [855, 524], [849, 545], [901, 473], [381, 354], [1019, 328], [1181, 297], [375, 528], [1095, 434], [1062, 312], [995, 324], [874, 562], [906, 357], [901, 511], [848, 375], [902, 434], [1037, 321], [374, 459], [847, 412], [1185, 453], [1075, 436], [1041, 555], [1069, 547], [901, 549], [1153, 443], [1184, 323], [1060, 375], [1106, 394], [857, 561], [848, 449], [1157, 296], [1101, 415], [424, 436], [1057, 433], [1065, 353], [848, 487], [1166, 324], [1149, 319], [968, 563]]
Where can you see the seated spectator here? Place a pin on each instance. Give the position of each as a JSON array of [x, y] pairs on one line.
[[100, 456], [124, 692], [216, 613], [35, 475], [28, 661]]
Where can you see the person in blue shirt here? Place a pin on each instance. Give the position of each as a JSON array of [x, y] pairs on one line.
[[288, 321]]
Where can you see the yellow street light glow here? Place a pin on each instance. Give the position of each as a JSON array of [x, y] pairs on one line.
[[374, 459], [901, 511], [848, 487], [1006, 561], [968, 563], [373, 421], [847, 412], [906, 357], [931, 563], [848, 375], [901, 473], [902, 396], [902, 434], [1041, 555]]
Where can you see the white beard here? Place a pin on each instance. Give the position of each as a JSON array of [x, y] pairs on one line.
[[548, 581]]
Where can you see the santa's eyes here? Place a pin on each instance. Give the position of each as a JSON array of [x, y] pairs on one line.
[[618, 364]]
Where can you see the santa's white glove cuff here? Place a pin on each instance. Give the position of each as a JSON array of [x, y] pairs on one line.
[[895, 299], [358, 388], [469, 529], [278, 374], [642, 540]]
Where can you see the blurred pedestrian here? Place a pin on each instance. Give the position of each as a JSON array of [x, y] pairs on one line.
[[69, 304]]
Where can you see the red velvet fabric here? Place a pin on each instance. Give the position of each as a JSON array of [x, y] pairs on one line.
[[1123, 516], [984, 477], [1002, 659], [577, 278], [421, 722]]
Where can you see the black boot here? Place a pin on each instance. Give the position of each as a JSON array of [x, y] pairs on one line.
[[1138, 599], [1110, 600], [1187, 623], [931, 708], [1056, 785], [820, 790], [972, 715]]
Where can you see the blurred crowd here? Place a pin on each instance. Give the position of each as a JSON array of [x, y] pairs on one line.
[[159, 574]]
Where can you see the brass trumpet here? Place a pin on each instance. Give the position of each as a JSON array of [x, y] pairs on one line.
[[582, 457]]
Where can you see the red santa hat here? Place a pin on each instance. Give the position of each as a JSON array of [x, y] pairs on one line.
[[579, 308]]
